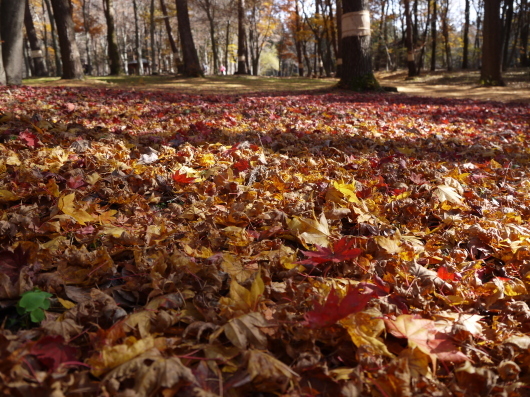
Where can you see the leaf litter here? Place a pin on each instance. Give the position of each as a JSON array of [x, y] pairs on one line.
[[292, 245]]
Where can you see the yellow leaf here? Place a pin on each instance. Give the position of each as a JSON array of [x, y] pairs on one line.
[[310, 231], [67, 205], [52, 188], [447, 193], [364, 329], [93, 178], [66, 303], [241, 300], [6, 195], [107, 217], [390, 245], [110, 357], [342, 191]]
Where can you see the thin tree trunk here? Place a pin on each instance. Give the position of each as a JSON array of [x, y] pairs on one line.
[[465, 49], [241, 39], [445, 34], [411, 63], [154, 66], [297, 39], [433, 34], [37, 56], [172, 43], [339, 41], [507, 31], [138, 49], [56, 51], [524, 32], [112, 42]]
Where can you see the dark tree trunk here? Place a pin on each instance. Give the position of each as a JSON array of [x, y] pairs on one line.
[[411, 62], [339, 41], [524, 31], [491, 71], [138, 46], [465, 49], [172, 43], [154, 66], [241, 39], [357, 71], [37, 56], [57, 52], [507, 32], [297, 39], [433, 34], [11, 24], [192, 67], [72, 67], [445, 34], [112, 42]]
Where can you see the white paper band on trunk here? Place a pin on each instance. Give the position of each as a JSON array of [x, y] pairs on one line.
[[36, 54], [356, 24], [241, 58]]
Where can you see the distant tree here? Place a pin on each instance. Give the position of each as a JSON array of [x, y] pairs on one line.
[[357, 71], [491, 71], [465, 48], [71, 60], [172, 43], [112, 42], [210, 9], [242, 51], [39, 66], [11, 23], [192, 67], [433, 35], [411, 63]]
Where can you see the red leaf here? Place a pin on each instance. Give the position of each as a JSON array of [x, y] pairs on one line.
[[75, 182], [29, 139], [51, 351], [341, 251], [182, 178], [332, 310], [242, 165], [445, 275]]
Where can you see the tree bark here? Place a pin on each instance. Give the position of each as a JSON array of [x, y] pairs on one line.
[[339, 41], [36, 45], [433, 35], [491, 71], [523, 34], [357, 71], [11, 23], [192, 67], [138, 46], [297, 38], [172, 43], [56, 51], [154, 66], [411, 63], [113, 51], [465, 49], [507, 32], [241, 39]]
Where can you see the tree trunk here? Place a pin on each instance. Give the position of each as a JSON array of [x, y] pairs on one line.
[[433, 34], [192, 67], [339, 41], [71, 60], [491, 71], [138, 49], [357, 63], [172, 43], [11, 23], [37, 56], [241, 39], [298, 38], [445, 34], [411, 63], [154, 66], [56, 51], [507, 31], [112, 42], [465, 49], [524, 31]]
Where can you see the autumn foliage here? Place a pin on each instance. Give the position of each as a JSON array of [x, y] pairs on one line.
[[296, 245]]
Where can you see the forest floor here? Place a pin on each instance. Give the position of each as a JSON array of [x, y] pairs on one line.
[[457, 84]]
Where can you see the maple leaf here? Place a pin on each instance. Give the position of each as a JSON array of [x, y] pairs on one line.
[[30, 139], [335, 309], [424, 335], [341, 251], [52, 351], [182, 178], [75, 182]]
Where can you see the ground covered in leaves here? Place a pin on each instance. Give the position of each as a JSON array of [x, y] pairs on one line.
[[156, 244]]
